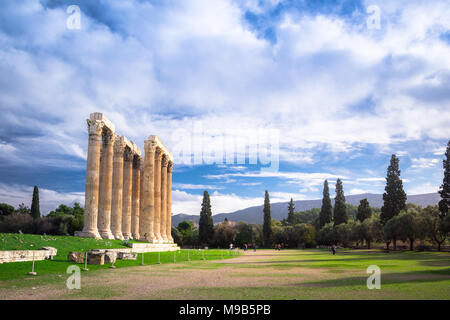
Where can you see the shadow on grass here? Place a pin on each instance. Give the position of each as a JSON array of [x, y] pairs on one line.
[[439, 260], [388, 278]]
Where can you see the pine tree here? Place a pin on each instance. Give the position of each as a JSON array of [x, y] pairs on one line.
[[340, 209], [291, 216], [364, 210], [444, 204], [267, 226], [35, 211], [394, 198], [326, 212], [205, 224]]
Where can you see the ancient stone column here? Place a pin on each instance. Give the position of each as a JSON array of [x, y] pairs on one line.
[[106, 173], [127, 193], [163, 214], [117, 189], [157, 196], [147, 233], [136, 197], [141, 199], [90, 229], [169, 202]]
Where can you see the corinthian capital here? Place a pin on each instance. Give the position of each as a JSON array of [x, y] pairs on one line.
[[137, 162], [158, 153], [149, 146], [128, 155], [170, 167], [164, 161], [119, 145], [95, 127], [108, 137]]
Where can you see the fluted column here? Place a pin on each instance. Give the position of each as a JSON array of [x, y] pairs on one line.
[[136, 197], [117, 189], [157, 196], [169, 202], [141, 198], [106, 173], [127, 193], [90, 229], [147, 233], [163, 215]]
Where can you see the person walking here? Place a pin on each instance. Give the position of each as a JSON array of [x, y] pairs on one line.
[[333, 249]]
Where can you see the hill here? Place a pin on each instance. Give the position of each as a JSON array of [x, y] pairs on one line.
[[279, 210]]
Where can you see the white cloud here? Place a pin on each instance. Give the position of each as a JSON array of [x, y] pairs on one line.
[[357, 191], [422, 188], [327, 85], [183, 202], [423, 163], [307, 180], [199, 58], [188, 186]]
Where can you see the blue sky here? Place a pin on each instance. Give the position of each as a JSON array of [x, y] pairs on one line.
[[326, 93]]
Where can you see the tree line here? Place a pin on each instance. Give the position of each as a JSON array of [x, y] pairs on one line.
[[341, 224], [64, 220]]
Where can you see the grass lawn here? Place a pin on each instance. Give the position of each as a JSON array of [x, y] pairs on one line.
[[13, 274], [265, 274]]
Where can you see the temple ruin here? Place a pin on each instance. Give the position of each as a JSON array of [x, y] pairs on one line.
[[128, 195]]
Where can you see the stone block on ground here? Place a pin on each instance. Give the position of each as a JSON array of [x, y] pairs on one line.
[[51, 252], [127, 256], [110, 256], [77, 257], [96, 258]]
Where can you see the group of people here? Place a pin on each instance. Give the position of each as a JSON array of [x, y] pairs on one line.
[[245, 246], [278, 247]]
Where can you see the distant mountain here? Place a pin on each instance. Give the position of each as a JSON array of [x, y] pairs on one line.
[[279, 210]]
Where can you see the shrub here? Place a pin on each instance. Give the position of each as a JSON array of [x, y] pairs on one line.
[[16, 222]]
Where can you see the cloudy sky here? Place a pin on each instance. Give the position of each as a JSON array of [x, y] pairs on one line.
[[318, 86]]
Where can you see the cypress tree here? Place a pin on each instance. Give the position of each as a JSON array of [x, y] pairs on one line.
[[364, 210], [35, 211], [444, 204], [267, 226], [340, 209], [326, 212], [291, 216], [205, 224], [394, 198]]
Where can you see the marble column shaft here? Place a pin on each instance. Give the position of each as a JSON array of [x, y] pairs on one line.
[[148, 193], [163, 214], [141, 198], [106, 173], [169, 203], [117, 189], [157, 196], [135, 211], [90, 228], [127, 193]]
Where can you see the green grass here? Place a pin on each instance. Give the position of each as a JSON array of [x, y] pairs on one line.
[[404, 275], [289, 274], [58, 266]]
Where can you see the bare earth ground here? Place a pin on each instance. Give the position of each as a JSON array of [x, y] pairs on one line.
[[255, 275]]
